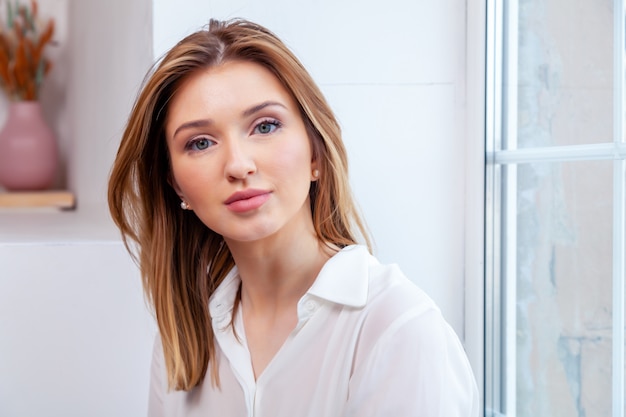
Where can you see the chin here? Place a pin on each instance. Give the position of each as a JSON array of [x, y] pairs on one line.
[[247, 236]]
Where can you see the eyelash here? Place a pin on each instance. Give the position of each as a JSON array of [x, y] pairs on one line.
[[273, 122], [189, 146]]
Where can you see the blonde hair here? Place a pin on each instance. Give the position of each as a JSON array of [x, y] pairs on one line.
[[173, 248]]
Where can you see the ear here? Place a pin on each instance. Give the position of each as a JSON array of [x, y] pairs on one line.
[[172, 182]]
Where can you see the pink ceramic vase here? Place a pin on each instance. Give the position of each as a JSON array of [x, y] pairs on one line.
[[28, 149]]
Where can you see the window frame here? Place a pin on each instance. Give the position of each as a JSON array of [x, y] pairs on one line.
[[474, 269]]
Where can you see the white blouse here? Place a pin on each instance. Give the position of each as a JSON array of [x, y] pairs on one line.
[[368, 343]]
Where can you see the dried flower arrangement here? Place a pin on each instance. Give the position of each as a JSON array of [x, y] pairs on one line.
[[23, 38]]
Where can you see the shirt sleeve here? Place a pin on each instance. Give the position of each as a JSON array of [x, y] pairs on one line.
[[417, 367], [158, 381]]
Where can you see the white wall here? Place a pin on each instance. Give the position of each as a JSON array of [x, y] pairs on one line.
[[110, 56], [75, 335]]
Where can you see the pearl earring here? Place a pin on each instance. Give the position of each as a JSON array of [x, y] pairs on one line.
[[184, 205], [316, 173]]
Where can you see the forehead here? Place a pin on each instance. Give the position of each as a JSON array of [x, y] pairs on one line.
[[232, 85]]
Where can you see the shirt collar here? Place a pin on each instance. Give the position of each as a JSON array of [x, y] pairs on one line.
[[344, 279], [223, 298]]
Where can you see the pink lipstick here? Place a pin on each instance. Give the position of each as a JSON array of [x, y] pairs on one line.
[[247, 200]]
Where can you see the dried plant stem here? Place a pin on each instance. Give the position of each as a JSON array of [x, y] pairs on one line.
[[23, 39]]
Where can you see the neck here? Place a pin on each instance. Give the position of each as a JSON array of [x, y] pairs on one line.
[[275, 274]]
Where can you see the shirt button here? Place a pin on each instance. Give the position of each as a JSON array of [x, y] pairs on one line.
[[310, 305]]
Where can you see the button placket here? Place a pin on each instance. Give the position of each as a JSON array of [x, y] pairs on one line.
[[310, 306]]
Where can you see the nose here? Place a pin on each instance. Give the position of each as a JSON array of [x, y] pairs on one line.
[[239, 163]]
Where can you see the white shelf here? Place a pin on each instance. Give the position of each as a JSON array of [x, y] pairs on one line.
[[50, 226]]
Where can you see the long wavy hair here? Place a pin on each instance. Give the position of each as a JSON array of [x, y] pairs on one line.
[[181, 260]]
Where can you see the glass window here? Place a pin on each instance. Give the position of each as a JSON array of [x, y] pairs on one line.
[[555, 187], [564, 72], [563, 291]]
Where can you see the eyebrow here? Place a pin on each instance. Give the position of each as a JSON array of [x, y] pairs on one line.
[[246, 113], [259, 107], [193, 124]]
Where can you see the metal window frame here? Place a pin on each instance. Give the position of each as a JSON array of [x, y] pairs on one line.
[[619, 207]]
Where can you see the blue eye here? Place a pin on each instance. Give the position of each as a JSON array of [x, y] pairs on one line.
[[267, 127], [199, 144]]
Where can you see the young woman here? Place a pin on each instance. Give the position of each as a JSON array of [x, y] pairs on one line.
[[231, 189]]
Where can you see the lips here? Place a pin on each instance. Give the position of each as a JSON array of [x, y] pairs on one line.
[[247, 200]]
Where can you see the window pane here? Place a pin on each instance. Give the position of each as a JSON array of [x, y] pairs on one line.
[[565, 72], [564, 289]]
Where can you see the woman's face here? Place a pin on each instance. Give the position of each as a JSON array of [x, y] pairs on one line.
[[240, 154]]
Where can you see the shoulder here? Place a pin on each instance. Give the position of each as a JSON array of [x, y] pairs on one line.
[[382, 302], [392, 296], [405, 341], [387, 281], [398, 312], [356, 279]]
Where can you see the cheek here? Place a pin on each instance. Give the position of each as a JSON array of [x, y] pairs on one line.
[[190, 178], [294, 159]]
